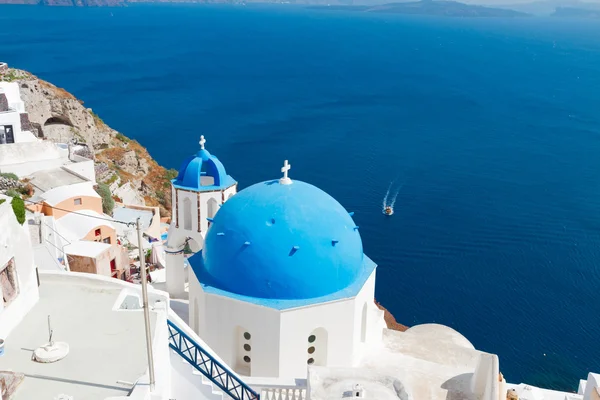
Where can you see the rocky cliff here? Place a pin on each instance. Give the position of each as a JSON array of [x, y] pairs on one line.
[[55, 114]]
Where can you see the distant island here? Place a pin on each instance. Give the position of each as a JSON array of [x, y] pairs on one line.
[[429, 7], [575, 12]]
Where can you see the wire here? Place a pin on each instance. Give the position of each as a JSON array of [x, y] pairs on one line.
[[83, 215]]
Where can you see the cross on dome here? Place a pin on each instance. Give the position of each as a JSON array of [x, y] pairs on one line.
[[286, 167], [202, 141]]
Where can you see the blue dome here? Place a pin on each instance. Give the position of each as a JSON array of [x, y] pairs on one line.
[[201, 172], [288, 242]]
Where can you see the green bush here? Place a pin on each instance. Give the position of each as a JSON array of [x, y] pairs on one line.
[[123, 138], [107, 201], [2, 201], [9, 175], [171, 174], [18, 206], [12, 193]]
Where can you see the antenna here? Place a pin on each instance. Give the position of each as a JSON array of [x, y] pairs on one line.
[[50, 331]]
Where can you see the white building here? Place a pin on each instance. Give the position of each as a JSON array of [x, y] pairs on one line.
[[18, 282], [14, 122], [282, 283]]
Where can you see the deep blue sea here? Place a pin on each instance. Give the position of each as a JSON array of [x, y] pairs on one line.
[[490, 128]]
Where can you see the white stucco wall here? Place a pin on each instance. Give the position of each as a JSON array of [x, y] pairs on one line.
[[13, 119], [13, 95], [53, 240], [207, 203], [15, 242], [222, 323], [280, 339], [19, 153], [338, 328], [82, 167], [591, 388], [179, 231]]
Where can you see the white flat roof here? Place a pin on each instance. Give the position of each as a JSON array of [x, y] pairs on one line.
[[86, 248], [528, 392], [62, 193], [75, 226], [429, 361], [105, 346]]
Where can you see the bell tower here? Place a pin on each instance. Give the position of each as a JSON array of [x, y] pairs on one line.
[[201, 187]]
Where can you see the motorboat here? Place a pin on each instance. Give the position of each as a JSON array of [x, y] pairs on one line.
[[388, 210]]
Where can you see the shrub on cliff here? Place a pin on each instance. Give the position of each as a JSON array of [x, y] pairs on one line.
[[12, 193], [107, 201], [18, 206], [9, 175]]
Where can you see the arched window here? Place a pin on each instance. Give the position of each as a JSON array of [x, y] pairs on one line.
[[317, 347], [187, 214], [243, 351], [213, 207], [363, 324]]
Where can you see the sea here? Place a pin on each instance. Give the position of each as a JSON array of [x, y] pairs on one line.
[[486, 132]]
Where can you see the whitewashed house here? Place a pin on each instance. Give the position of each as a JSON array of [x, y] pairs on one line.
[[14, 122]]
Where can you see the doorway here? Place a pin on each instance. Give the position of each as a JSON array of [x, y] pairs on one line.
[[6, 134]]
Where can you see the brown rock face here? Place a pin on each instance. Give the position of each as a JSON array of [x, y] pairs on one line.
[[55, 114], [390, 321]]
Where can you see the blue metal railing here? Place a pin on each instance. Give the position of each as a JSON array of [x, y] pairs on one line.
[[208, 366]]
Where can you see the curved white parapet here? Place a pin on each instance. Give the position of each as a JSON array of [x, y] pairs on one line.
[[51, 352]]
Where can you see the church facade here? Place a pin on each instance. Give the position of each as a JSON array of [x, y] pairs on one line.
[[279, 281]]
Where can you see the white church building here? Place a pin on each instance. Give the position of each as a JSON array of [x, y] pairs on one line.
[[281, 280]]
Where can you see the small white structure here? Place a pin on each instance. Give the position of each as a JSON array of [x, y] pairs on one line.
[[13, 116], [201, 187]]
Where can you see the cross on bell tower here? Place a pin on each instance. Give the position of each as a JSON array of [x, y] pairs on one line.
[[285, 180], [202, 141]]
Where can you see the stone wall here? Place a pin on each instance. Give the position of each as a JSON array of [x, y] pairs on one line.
[[3, 102], [25, 124], [7, 183]]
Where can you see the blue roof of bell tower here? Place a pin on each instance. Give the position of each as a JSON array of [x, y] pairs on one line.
[[202, 172]]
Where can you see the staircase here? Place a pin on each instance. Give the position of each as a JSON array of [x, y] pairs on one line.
[[213, 372]]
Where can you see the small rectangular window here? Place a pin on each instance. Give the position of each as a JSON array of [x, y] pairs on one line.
[[107, 240], [77, 202], [98, 232]]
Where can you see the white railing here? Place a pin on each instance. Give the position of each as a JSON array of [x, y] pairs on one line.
[[283, 393]]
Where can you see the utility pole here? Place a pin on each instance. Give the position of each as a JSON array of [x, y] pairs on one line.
[[146, 309]]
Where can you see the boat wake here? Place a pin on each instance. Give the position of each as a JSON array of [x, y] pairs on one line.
[[389, 202]]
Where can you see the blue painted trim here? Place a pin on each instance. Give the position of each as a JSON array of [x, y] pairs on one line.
[[367, 268], [228, 182], [198, 358]]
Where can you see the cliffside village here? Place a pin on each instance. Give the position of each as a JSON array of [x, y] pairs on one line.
[[72, 227], [277, 302]]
